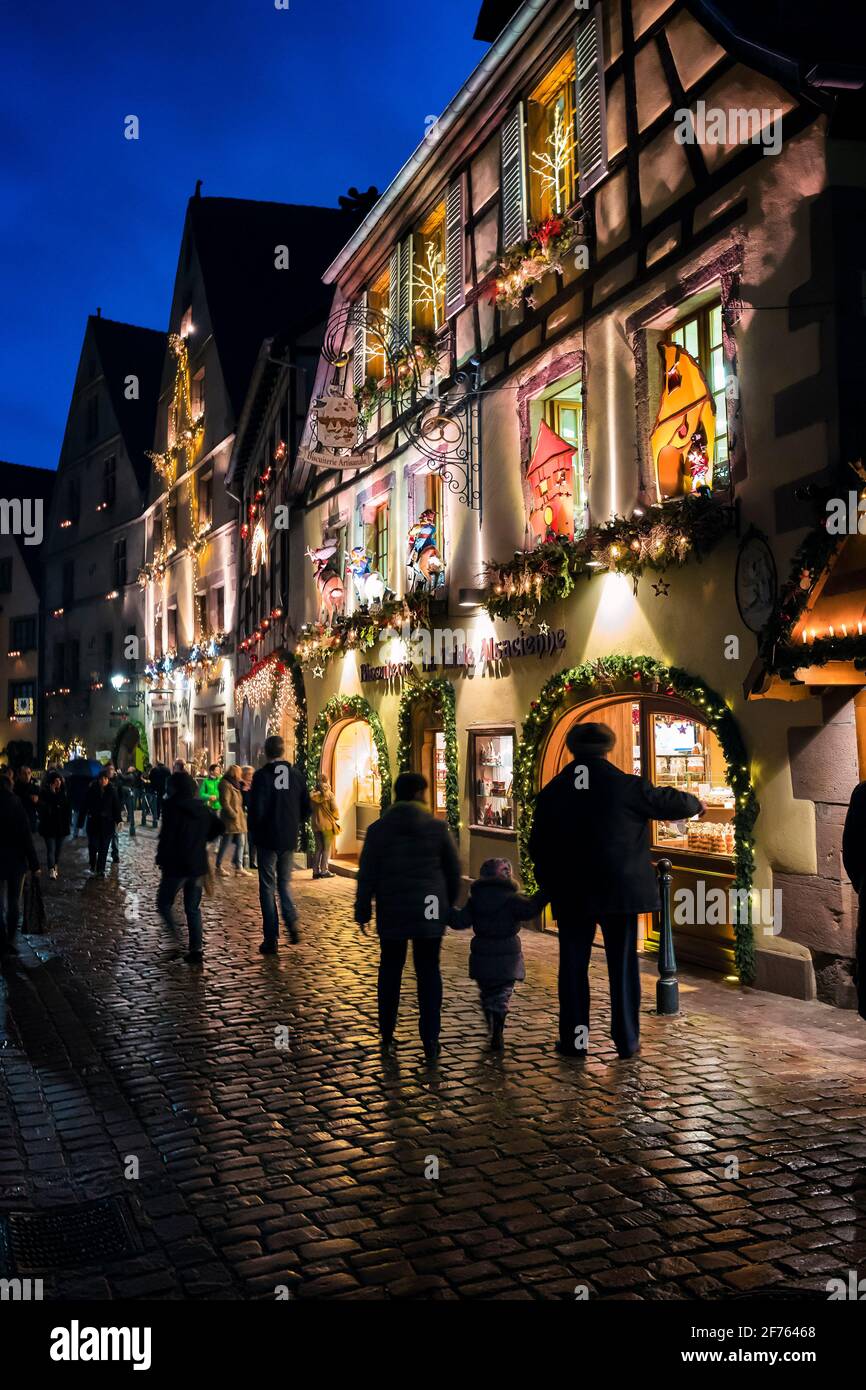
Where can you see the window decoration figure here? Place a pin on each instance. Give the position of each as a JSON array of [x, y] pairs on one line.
[[551, 482], [370, 587], [684, 436], [426, 568], [332, 594]]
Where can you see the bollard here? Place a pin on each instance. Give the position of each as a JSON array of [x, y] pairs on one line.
[[667, 986]]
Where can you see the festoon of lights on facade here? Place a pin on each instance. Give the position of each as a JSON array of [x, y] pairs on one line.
[[254, 532]]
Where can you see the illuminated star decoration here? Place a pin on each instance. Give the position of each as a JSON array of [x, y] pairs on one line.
[[543, 629], [318, 672], [661, 589]]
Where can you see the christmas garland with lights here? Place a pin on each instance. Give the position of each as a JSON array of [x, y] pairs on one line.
[[344, 707], [667, 534], [441, 692], [778, 653], [635, 675], [360, 630], [527, 262]]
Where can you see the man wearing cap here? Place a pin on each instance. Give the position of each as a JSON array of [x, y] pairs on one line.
[[590, 845]]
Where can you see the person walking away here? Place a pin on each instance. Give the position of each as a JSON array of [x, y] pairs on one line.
[[590, 845], [102, 809], [279, 803], [17, 853], [77, 784], [159, 775], [115, 842], [326, 826], [409, 864], [28, 793], [854, 860], [234, 819], [126, 792], [494, 911], [188, 825], [55, 819], [209, 789], [246, 786]]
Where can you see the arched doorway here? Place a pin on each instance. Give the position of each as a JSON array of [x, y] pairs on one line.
[[350, 761], [674, 731], [428, 744]]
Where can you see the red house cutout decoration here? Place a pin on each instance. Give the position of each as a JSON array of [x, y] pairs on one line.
[[551, 483]]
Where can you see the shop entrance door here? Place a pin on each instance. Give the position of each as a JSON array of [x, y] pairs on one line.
[[665, 741], [351, 763]]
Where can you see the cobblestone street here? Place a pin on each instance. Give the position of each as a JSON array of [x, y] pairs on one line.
[[262, 1166]]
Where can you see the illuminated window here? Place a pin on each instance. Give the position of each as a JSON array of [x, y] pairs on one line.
[[564, 413], [378, 298], [429, 272], [197, 392], [376, 539], [551, 154], [701, 336]]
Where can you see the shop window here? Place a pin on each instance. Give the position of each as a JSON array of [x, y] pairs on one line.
[[687, 755], [492, 762], [701, 336], [22, 700], [552, 145], [429, 272]]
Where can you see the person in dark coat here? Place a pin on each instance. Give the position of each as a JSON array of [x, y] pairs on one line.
[[495, 911], [279, 802], [409, 864], [854, 859], [159, 775], [188, 825], [16, 854], [28, 792], [102, 808], [55, 818], [590, 845], [78, 781]]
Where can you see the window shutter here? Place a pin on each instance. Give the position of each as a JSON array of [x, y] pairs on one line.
[[590, 107], [455, 247], [359, 346], [513, 179], [394, 288], [404, 309]]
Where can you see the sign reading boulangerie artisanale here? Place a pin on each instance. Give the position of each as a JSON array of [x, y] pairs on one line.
[[473, 653]]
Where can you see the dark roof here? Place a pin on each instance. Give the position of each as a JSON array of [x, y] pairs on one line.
[[126, 350], [248, 298], [790, 29], [20, 480]]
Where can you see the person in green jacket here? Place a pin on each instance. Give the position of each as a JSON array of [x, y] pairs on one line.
[[209, 791]]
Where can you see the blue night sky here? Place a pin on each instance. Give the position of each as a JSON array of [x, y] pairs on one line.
[[258, 103]]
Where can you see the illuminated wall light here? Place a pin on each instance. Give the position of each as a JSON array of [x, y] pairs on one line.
[[65, 524], [58, 613], [13, 654]]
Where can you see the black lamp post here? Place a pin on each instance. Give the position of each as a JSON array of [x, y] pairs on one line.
[[667, 986]]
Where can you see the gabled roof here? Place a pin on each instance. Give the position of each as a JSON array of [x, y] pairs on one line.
[[20, 480], [125, 350], [248, 298]]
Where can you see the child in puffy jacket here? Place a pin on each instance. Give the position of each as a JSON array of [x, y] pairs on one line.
[[495, 910]]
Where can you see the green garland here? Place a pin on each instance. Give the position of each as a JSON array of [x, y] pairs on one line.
[[625, 674], [662, 536], [142, 739], [441, 691], [340, 707], [789, 656], [293, 667]]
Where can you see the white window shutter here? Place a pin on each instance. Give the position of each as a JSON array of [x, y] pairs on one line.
[[455, 246], [590, 109], [513, 178], [359, 346]]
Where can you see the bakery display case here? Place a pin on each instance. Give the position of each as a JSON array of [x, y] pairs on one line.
[[492, 759], [685, 754]]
